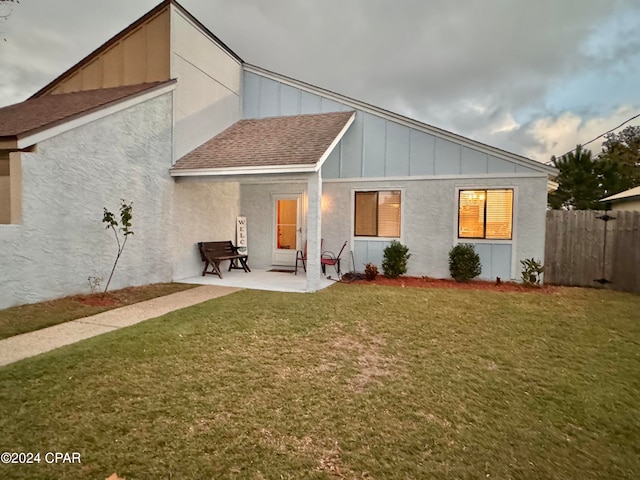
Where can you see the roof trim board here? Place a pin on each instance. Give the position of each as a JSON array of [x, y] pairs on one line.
[[268, 169], [38, 135], [271, 169], [335, 142], [402, 120], [625, 195]]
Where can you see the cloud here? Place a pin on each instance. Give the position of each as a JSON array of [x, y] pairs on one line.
[[505, 72], [560, 134]]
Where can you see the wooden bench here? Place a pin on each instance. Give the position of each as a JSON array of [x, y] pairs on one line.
[[212, 253]]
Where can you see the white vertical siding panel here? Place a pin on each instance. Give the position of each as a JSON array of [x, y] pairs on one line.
[[473, 162], [497, 165], [269, 98], [447, 157], [251, 95], [374, 146], [331, 167], [352, 149], [397, 151], [289, 100], [422, 161], [309, 103], [327, 105]]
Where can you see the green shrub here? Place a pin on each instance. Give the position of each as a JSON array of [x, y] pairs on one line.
[[370, 271], [395, 259], [464, 263], [531, 271]]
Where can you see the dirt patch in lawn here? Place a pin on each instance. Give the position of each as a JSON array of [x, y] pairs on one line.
[[27, 318], [98, 300], [428, 282]]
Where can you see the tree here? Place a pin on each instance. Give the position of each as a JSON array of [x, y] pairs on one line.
[[622, 151], [110, 221], [582, 181], [6, 8]]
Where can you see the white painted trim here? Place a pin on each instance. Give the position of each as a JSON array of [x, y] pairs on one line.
[[482, 176], [408, 122], [272, 169], [456, 208], [335, 142], [352, 226], [275, 196], [268, 169], [93, 116]]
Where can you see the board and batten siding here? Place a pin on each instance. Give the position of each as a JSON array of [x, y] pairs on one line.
[[379, 153], [373, 146]]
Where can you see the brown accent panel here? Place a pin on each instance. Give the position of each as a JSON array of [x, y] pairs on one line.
[[134, 57], [158, 45], [113, 66], [4, 164], [92, 76], [130, 58]]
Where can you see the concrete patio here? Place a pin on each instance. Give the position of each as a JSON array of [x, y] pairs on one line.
[[261, 280]]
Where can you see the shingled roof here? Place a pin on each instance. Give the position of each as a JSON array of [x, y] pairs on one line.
[[292, 141], [36, 114]]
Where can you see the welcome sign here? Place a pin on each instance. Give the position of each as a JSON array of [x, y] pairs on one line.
[[241, 234]]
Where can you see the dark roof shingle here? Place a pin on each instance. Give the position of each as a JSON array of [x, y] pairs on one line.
[[47, 111], [266, 142]]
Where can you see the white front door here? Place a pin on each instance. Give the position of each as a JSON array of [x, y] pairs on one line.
[[287, 228]]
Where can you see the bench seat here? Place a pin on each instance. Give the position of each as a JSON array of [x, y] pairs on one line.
[[212, 253]]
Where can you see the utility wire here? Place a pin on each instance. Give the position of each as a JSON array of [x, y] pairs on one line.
[[594, 139]]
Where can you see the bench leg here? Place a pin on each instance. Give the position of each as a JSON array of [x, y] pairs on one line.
[[243, 262], [216, 269]]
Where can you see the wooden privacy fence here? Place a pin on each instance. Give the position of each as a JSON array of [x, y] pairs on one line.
[[578, 253]]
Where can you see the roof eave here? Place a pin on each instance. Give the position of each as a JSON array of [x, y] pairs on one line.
[[335, 141], [251, 170], [430, 129], [33, 136]]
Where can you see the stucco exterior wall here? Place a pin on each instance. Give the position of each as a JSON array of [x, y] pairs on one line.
[[65, 185], [208, 92], [429, 224], [257, 205], [203, 211]]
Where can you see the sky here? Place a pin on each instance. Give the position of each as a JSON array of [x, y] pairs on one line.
[[531, 77]]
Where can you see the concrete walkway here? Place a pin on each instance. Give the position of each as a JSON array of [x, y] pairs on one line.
[[30, 344]]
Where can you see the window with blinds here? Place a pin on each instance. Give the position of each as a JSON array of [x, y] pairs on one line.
[[377, 214], [485, 214]]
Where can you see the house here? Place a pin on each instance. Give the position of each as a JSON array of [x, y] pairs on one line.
[[167, 116], [627, 200]]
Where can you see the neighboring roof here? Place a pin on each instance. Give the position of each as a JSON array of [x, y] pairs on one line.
[[37, 114], [626, 195], [299, 142], [357, 104], [113, 40]]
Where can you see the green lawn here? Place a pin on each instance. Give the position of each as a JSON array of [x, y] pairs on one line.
[[351, 382]]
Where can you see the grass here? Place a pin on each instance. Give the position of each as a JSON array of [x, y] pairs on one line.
[[28, 318], [351, 382]]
